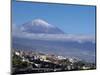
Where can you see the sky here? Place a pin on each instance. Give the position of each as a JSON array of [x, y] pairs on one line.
[[72, 19]]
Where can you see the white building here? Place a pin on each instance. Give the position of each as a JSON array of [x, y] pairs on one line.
[[17, 53], [61, 57]]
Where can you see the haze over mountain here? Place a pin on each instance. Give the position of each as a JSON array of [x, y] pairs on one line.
[[41, 36]]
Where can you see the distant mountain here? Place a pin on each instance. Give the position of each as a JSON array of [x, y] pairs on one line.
[[43, 37], [40, 26]]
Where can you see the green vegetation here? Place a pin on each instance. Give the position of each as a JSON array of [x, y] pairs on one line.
[[17, 62]]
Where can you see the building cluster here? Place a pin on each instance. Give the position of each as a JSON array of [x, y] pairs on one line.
[[47, 62]]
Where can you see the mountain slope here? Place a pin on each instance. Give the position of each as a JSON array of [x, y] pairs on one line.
[[40, 26], [84, 50], [43, 37]]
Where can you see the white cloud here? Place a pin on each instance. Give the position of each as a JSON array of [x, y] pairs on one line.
[[41, 22], [60, 37], [18, 32]]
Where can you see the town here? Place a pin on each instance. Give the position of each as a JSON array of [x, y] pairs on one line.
[[26, 61]]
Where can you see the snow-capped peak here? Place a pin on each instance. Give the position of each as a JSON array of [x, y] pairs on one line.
[[40, 26], [40, 22]]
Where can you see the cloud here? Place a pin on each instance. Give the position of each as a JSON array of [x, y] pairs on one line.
[[18, 32], [60, 37], [41, 22]]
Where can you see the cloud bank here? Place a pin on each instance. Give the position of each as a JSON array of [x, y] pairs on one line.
[[17, 32]]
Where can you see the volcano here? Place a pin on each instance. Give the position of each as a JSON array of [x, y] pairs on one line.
[[40, 26], [40, 36]]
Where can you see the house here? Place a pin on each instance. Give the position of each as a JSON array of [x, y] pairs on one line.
[[85, 67], [17, 53]]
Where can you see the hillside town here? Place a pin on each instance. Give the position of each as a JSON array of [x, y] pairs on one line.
[[26, 61]]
